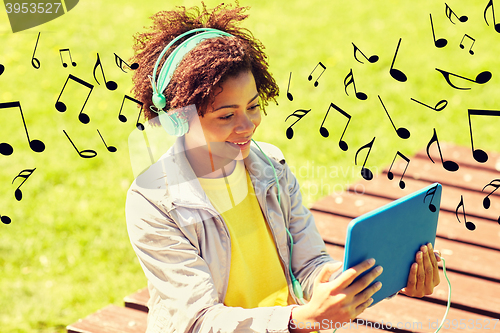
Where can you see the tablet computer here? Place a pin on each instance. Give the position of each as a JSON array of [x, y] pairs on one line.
[[392, 234]]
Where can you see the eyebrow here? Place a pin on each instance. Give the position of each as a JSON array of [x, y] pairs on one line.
[[234, 105]]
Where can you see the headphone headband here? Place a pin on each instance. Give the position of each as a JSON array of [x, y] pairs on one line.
[[175, 58]]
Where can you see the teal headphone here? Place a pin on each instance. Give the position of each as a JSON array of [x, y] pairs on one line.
[[297, 288], [172, 124], [176, 126]]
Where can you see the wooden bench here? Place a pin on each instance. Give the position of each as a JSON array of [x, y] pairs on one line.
[[472, 257]]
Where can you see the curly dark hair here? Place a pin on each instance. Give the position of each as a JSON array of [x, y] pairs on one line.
[[207, 65]]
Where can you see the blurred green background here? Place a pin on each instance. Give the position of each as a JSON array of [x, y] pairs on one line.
[[66, 253]]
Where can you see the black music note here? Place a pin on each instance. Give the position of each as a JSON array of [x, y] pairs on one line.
[[122, 117], [2, 68], [35, 145], [390, 175], [431, 191], [111, 149], [18, 194], [360, 95], [448, 11], [111, 85], [436, 108], [402, 132], [88, 153], [299, 114], [480, 155], [310, 75], [462, 45], [5, 219], [365, 172], [71, 59], [372, 59], [61, 107], [119, 62], [486, 200], [34, 61], [497, 25], [481, 78], [324, 132], [288, 94], [469, 225], [448, 165], [441, 42], [396, 73]]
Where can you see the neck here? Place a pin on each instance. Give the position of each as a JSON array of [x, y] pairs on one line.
[[208, 165]]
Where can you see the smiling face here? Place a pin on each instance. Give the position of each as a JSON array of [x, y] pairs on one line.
[[223, 134]]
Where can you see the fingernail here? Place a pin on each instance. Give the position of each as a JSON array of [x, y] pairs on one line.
[[378, 285], [378, 269], [419, 255], [430, 247], [425, 249], [370, 301], [371, 261]]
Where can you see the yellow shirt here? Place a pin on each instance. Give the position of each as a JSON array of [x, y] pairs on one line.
[[256, 277]]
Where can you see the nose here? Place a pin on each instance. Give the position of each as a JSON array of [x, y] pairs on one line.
[[245, 124]]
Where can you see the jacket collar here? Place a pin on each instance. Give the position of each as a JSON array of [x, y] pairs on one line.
[[184, 189]]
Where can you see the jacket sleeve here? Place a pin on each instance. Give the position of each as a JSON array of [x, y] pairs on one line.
[[309, 250], [186, 298]]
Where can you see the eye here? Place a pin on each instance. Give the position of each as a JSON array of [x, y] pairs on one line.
[[226, 117], [254, 107]]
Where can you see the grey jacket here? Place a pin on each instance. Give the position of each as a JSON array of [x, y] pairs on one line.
[[184, 248]]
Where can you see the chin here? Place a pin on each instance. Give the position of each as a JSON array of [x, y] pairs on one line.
[[243, 154]]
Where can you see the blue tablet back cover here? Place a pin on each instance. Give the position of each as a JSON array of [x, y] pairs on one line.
[[392, 234]]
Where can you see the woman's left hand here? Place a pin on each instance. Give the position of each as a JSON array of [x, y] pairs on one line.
[[424, 273]]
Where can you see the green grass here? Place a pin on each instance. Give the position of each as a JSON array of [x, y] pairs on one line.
[[66, 252]]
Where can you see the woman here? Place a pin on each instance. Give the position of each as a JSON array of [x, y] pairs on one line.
[[212, 222]]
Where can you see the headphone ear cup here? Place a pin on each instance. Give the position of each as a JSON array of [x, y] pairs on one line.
[[183, 126], [172, 124]]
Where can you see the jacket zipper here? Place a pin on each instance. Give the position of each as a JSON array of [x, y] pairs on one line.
[[287, 269]]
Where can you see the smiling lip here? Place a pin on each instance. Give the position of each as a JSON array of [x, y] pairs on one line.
[[240, 146]]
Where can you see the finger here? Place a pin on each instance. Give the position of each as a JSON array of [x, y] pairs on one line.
[[367, 293], [411, 285], [428, 269], [362, 307], [437, 253], [434, 262], [420, 273], [433, 255], [327, 271], [365, 281], [346, 278]]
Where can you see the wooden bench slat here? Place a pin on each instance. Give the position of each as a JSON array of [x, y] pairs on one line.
[[468, 183], [470, 293], [111, 319], [138, 300], [486, 234], [407, 310], [462, 156], [421, 167], [470, 259]]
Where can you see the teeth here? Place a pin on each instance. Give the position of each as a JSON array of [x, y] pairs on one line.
[[241, 143]]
